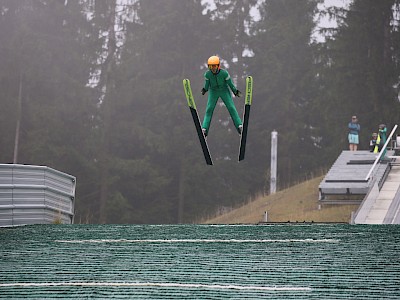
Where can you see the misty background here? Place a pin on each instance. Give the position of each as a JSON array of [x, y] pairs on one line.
[[94, 89]]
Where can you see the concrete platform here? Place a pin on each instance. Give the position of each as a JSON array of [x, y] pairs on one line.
[[347, 177]]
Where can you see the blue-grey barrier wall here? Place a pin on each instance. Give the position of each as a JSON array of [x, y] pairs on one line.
[[35, 195]]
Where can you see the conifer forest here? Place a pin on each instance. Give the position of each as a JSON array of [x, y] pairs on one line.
[[93, 88]]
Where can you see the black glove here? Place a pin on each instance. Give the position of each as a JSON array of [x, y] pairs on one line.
[[203, 91], [238, 93]]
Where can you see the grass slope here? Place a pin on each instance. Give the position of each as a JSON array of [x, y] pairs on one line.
[[296, 204]]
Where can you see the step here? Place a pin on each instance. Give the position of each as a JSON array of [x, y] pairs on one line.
[[390, 186], [369, 221], [386, 195], [381, 204]]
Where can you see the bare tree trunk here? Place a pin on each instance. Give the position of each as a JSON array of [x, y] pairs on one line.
[[108, 69], [181, 192], [386, 35], [19, 113]]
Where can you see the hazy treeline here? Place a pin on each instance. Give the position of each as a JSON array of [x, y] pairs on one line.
[[94, 88]]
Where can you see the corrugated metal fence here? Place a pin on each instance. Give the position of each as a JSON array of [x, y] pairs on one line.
[[35, 195]]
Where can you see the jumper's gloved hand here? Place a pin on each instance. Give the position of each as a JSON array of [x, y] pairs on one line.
[[238, 93], [203, 91]]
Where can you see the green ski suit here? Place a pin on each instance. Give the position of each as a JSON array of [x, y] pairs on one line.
[[217, 85]]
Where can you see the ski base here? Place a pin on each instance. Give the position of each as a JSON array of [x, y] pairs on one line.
[[246, 116], [196, 120]]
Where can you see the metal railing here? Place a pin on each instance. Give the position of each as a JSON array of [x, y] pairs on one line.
[[381, 153]]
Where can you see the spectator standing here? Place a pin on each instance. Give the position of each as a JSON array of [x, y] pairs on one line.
[[354, 130], [382, 135], [381, 139]]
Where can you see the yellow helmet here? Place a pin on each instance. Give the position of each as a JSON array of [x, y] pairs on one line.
[[213, 60]]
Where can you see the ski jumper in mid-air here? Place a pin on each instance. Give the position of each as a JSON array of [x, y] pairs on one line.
[[217, 81]]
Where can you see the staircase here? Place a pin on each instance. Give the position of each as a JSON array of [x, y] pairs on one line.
[[382, 207]]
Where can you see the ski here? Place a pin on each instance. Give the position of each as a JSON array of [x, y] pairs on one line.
[[196, 120], [246, 115]]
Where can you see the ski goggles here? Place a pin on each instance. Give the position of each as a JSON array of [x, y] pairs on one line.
[[212, 66]]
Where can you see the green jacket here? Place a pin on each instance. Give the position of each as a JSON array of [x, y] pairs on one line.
[[219, 81]]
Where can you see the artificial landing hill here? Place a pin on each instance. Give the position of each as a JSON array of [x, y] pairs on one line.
[[295, 204]]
